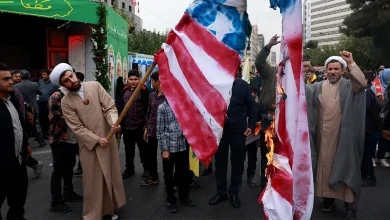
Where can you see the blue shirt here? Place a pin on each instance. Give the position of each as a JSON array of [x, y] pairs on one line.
[[47, 89]]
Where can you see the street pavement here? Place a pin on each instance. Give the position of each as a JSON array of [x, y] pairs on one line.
[[148, 202]]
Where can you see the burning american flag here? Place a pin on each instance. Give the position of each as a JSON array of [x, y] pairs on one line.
[[289, 193]]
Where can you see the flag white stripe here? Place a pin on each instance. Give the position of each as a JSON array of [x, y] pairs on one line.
[[177, 72], [281, 162], [215, 74], [275, 206]]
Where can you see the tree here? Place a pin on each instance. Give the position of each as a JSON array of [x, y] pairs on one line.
[[311, 44], [318, 56], [371, 18], [146, 42]]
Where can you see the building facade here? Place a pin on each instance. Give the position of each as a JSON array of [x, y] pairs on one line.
[[254, 46], [129, 10], [260, 37], [323, 19]]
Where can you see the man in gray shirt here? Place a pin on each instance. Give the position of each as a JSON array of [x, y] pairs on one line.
[[30, 90], [47, 89]]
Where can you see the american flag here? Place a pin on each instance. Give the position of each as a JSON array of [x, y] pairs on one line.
[[198, 64], [289, 193]]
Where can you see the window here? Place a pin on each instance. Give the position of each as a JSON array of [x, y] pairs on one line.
[[130, 8], [123, 5]]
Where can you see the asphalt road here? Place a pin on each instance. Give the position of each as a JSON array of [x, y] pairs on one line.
[[148, 202]]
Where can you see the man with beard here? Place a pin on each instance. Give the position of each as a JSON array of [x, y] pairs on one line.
[[90, 113], [336, 112]]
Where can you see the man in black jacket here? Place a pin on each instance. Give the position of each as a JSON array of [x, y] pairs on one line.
[[13, 151], [240, 123]]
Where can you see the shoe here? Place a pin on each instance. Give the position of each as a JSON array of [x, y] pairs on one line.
[[235, 201], [60, 207], [145, 174], [150, 181], [172, 208], [368, 182], [78, 172], [187, 202], [373, 162], [351, 215], [38, 170], [327, 205], [207, 172], [253, 182], [127, 174], [194, 185], [217, 199], [384, 163], [72, 197], [111, 217]]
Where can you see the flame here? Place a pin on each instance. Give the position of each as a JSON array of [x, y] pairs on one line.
[[269, 139]]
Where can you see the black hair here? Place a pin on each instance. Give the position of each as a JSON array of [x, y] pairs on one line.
[[13, 72], [3, 67], [155, 76], [370, 76], [80, 76], [310, 70], [133, 73], [254, 88], [45, 71]]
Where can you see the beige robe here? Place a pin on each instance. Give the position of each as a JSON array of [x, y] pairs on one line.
[[329, 126], [102, 181]]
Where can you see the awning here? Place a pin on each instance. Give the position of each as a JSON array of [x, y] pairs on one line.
[[69, 10]]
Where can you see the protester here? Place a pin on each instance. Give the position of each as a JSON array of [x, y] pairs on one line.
[[133, 123], [47, 89], [336, 109], [16, 76], [79, 171], [13, 150], [30, 90], [175, 154], [64, 147], [311, 77], [373, 124], [90, 113], [237, 127], [156, 98], [266, 102]]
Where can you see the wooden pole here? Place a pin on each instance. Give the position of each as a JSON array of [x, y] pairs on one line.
[[132, 98]]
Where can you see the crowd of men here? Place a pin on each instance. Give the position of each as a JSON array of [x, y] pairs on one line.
[[76, 116]]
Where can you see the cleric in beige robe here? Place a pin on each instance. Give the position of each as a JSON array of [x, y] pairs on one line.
[[336, 113], [90, 113]]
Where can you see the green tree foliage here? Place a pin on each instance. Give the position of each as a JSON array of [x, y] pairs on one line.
[[311, 44], [371, 18], [361, 48], [146, 42]]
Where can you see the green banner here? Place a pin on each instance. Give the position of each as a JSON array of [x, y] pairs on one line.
[[69, 10], [117, 45]]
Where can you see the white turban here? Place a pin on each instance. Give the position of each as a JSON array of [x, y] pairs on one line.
[[57, 71], [339, 59]]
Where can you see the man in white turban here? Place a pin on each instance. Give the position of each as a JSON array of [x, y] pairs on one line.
[[91, 113], [336, 113]]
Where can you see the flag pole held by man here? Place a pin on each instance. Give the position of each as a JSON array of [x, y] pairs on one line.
[[90, 113]]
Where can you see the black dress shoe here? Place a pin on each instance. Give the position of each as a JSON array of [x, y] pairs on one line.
[[217, 199], [235, 201]]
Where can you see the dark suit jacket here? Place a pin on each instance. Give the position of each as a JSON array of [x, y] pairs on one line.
[[30, 90], [242, 111], [7, 137]]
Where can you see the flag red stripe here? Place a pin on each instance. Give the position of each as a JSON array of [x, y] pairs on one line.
[[199, 136], [285, 147], [210, 97], [228, 59], [282, 183]]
